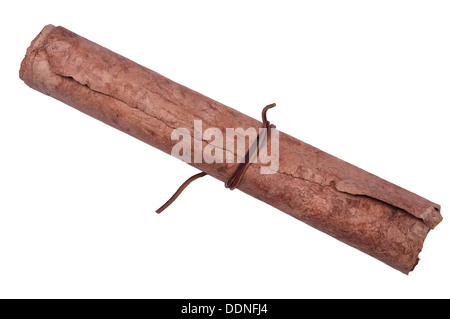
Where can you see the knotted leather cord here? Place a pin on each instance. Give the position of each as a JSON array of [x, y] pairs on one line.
[[237, 176]]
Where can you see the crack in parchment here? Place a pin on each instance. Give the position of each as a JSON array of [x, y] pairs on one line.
[[160, 119], [332, 185]]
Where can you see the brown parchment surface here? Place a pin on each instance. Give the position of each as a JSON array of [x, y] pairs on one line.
[[340, 199]]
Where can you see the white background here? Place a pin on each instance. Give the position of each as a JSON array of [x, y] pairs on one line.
[[367, 81]]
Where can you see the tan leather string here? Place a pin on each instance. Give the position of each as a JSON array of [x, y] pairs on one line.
[[237, 176]]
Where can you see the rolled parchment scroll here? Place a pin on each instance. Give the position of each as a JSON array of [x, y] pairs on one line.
[[342, 200]]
